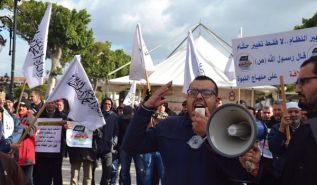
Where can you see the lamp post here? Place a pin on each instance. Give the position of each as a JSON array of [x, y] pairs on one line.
[[12, 50]]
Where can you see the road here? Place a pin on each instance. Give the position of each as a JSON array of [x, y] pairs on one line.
[[66, 173]]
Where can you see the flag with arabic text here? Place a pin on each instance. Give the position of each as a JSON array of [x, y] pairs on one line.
[[77, 89], [33, 68]]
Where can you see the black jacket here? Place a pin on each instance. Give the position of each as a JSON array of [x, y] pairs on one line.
[[301, 159], [109, 134]]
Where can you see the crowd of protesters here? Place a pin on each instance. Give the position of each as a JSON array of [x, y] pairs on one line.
[[157, 140]]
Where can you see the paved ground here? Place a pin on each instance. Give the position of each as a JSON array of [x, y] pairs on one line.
[[66, 173]]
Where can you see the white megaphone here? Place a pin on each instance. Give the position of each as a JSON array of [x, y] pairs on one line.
[[232, 130]]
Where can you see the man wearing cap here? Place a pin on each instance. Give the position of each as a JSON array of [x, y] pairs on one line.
[[277, 137]]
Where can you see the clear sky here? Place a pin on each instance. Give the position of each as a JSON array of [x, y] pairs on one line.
[[165, 22]]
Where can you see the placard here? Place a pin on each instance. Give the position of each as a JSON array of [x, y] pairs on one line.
[[262, 59]]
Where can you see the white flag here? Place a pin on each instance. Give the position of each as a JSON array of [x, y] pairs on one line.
[[76, 88], [193, 67], [229, 70], [33, 68], [141, 59], [129, 99]]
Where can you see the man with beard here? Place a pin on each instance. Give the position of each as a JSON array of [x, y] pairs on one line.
[[185, 161], [277, 137], [301, 154], [301, 161]]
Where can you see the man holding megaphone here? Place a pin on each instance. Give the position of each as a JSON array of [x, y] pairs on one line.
[[187, 156]]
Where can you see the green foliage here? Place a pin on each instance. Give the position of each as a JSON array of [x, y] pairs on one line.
[[41, 89], [98, 60], [307, 23], [4, 3], [69, 31], [99, 96], [68, 28]]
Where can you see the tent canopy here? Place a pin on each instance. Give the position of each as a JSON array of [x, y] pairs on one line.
[[173, 67]]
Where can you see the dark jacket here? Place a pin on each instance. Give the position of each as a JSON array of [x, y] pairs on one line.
[[123, 126], [301, 158], [109, 134], [36, 108], [77, 154], [277, 146], [10, 172], [183, 165]]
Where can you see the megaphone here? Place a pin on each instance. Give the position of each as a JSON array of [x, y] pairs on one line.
[[232, 130]]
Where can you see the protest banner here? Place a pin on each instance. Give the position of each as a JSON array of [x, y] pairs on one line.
[[260, 60], [49, 135], [79, 136]]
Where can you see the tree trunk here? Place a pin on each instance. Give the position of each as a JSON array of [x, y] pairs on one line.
[[53, 74], [95, 85]]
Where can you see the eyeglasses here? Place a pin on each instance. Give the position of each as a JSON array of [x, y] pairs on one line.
[[302, 81], [206, 93]]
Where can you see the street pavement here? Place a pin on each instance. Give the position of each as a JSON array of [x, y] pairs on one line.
[[66, 173]]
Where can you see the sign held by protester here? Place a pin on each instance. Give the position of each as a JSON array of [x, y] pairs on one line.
[[262, 59], [79, 136], [49, 135]]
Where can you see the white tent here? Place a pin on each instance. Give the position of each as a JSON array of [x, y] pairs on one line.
[[173, 67], [214, 62]]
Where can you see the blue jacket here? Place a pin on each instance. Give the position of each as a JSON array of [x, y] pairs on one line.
[[14, 138], [183, 165]]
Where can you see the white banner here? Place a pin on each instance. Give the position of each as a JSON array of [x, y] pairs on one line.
[[262, 59], [33, 68], [76, 88]]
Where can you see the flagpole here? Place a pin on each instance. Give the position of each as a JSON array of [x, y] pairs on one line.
[[27, 130], [252, 98], [288, 135], [147, 81], [20, 97]]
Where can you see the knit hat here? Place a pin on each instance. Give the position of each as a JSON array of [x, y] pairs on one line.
[[9, 97]]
